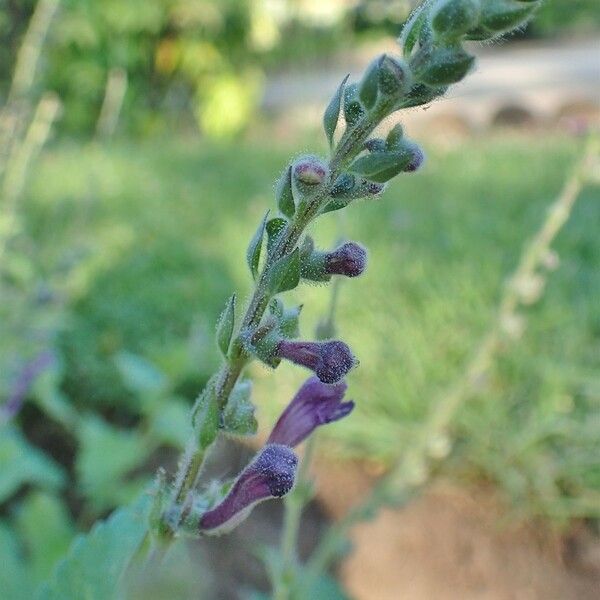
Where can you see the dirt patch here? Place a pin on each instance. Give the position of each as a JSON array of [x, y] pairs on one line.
[[452, 544]]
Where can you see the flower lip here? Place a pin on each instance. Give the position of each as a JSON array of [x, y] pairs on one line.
[[271, 474], [315, 404]]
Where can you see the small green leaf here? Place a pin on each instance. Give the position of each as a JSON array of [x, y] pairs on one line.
[[274, 229], [336, 204], [368, 86], [353, 109], [394, 136], [238, 416], [225, 326], [379, 167], [332, 112], [255, 246], [96, 563], [276, 307], [284, 275], [284, 194], [206, 416], [412, 29], [289, 322]]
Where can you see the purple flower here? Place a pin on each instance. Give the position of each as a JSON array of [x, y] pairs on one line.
[[315, 404], [349, 259], [329, 361], [271, 474]]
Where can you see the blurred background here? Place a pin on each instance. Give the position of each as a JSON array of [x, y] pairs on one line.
[[139, 145]]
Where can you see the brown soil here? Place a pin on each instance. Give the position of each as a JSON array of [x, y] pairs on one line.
[[452, 544]]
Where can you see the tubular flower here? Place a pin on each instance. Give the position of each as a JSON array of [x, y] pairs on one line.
[[271, 474], [314, 404]]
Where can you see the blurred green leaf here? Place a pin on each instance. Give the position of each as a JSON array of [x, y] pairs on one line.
[[139, 374], [44, 526], [21, 463], [105, 457], [170, 423], [15, 580], [94, 567]]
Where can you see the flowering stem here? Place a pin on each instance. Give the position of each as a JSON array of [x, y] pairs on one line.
[[350, 145]]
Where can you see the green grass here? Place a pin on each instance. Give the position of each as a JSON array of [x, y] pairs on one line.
[[165, 227]]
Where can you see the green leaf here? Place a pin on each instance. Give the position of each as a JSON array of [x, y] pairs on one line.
[[96, 563], [284, 194], [21, 463], [394, 136], [381, 166], [452, 18], [15, 580], [44, 525], [289, 322], [412, 28], [274, 229], [255, 246], [225, 326], [284, 275], [105, 458], [368, 86], [139, 374], [206, 416], [332, 112], [238, 416]]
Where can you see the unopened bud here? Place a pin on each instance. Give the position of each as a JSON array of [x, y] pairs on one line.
[[452, 18], [353, 109], [310, 170], [330, 361], [441, 65], [394, 77], [501, 16], [349, 259]]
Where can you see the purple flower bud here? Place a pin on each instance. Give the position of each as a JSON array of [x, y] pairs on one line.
[[349, 259], [310, 170], [315, 404], [329, 361], [271, 474], [416, 160]]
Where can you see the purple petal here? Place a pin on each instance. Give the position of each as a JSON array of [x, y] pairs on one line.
[[314, 404]]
